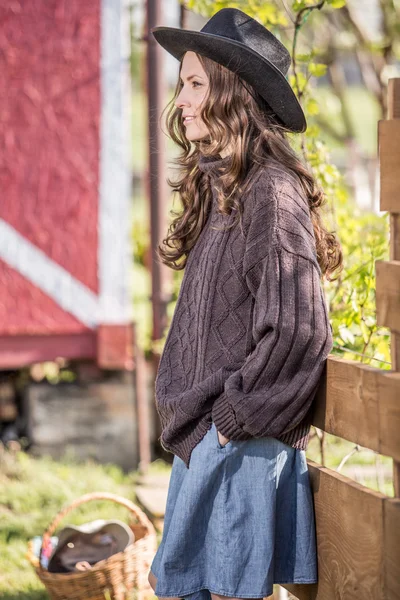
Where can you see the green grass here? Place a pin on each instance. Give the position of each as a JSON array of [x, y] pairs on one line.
[[32, 491]]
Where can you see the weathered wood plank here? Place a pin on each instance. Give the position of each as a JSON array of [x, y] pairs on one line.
[[393, 96], [349, 520], [388, 293], [358, 541], [301, 591], [393, 101], [361, 404], [389, 415], [350, 539], [394, 238], [389, 157], [392, 548]]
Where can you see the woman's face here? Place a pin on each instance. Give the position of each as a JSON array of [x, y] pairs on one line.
[[192, 94]]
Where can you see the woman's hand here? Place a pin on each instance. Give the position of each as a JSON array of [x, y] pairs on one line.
[[222, 439]]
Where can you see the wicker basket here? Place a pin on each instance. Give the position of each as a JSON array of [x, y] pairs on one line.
[[113, 578]]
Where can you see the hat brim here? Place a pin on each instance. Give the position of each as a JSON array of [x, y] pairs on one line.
[[256, 70], [120, 530]]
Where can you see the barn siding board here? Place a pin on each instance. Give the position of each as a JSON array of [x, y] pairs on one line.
[[49, 130]]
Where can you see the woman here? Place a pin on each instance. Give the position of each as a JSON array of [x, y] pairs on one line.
[[250, 333]]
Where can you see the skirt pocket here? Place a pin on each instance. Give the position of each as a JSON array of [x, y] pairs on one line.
[[219, 445]]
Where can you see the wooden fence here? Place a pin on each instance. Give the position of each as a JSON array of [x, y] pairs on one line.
[[358, 529]]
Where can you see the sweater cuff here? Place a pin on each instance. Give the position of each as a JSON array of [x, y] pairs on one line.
[[224, 418]]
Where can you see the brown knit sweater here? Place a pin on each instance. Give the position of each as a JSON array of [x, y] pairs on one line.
[[250, 334]]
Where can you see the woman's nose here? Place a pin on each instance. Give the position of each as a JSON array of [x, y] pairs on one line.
[[180, 100]]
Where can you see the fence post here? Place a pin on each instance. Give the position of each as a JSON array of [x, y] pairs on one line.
[[388, 186]]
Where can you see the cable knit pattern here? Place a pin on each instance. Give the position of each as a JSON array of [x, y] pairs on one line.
[[250, 334]]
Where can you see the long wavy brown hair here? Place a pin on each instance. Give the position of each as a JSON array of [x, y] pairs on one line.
[[237, 117]]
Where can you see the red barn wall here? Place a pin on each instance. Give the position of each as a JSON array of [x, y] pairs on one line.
[[49, 136]]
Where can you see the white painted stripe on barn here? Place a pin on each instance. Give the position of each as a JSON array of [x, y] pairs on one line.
[[31, 262], [115, 251]]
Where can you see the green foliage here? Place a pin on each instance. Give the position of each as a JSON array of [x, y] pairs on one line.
[[336, 3], [301, 5], [140, 236], [364, 239], [266, 12]]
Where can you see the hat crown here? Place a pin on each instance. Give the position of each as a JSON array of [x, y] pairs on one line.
[[244, 46], [236, 25]]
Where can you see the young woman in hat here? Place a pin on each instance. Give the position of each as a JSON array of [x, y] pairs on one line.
[[250, 333]]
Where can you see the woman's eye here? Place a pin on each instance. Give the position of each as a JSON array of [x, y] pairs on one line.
[[193, 83]]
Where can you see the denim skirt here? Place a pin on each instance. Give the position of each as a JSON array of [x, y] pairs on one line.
[[238, 520]]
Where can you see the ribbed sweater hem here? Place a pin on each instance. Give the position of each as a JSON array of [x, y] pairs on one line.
[[225, 421], [298, 437], [184, 443], [224, 418]]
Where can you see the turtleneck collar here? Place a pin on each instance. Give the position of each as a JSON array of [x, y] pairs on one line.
[[212, 164]]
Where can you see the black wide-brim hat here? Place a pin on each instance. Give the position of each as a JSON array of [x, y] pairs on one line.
[[242, 45]]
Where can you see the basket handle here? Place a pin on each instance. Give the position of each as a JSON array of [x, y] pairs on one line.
[[141, 516]]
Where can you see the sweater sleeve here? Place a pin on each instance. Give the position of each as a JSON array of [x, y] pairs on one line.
[[273, 390]]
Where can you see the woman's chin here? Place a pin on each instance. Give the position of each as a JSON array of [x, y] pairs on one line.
[[195, 135]]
